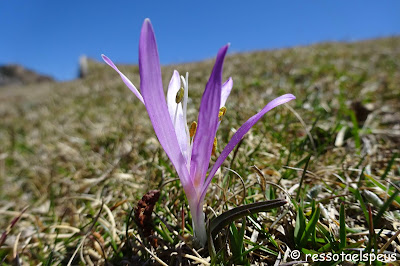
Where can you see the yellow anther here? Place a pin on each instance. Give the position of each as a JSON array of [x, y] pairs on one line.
[[179, 95], [221, 113], [192, 129], [214, 147]]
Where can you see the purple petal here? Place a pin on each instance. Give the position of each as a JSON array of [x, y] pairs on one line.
[[123, 77], [153, 94], [225, 91], [207, 123], [240, 134], [176, 113]]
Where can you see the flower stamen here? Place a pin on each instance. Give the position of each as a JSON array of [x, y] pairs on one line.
[[192, 130], [214, 147], [221, 113], [179, 95]]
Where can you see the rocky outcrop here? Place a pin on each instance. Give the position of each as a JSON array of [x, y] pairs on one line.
[[18, 75], [83, 66]]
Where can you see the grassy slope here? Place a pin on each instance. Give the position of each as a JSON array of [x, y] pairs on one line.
[[65, 147]]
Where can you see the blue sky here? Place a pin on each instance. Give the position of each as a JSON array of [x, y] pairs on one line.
[[49, 35]]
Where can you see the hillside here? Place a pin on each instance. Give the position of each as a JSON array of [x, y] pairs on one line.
[[66, 148], [18, 75]]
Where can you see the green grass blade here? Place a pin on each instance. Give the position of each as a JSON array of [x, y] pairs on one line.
[[355, 131], [363, 206], [385, 206], [242, 232], [383, 187], [390, 164], [49, 259], [300, 225], [342, 229], [236, 237], [310, 227], [302, 178]]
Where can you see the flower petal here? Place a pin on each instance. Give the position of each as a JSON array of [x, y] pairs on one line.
[[123, 77], [240, 134], [153, 95], [176, 113], [225, 91], [207, 123]]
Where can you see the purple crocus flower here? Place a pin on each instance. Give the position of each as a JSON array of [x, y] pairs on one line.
[[189, 153]]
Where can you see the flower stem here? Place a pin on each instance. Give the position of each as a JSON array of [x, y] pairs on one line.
[[199, 225]]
